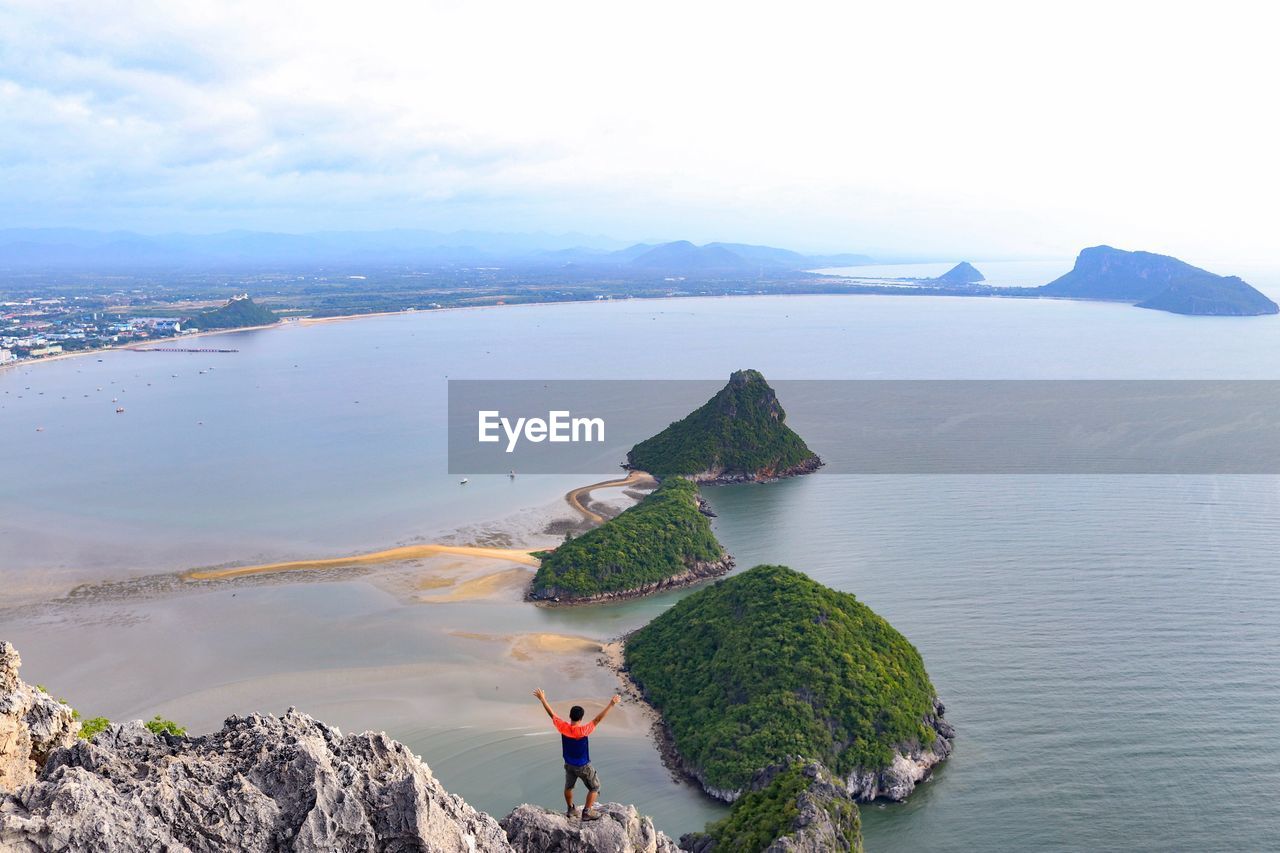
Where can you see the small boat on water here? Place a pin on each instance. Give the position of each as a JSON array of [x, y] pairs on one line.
[[463, 481], [119, 410]]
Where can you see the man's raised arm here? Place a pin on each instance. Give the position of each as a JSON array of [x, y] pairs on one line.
[[542, 697], [607, 708]]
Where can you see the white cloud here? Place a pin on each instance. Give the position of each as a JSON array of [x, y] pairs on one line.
[[975, 128]]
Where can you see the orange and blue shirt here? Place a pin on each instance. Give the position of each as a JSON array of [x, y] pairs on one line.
[[573, 741]]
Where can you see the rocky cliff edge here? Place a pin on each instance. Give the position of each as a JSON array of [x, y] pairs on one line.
[[261, 783]]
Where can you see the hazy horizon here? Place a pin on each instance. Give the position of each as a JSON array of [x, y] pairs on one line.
[[938, 131]]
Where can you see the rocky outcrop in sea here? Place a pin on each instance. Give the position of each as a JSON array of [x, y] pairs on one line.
[[721, 477], [695, 572], [911, 765], [825, 817]]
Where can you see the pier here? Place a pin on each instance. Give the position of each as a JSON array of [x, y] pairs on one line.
[[181, 349]]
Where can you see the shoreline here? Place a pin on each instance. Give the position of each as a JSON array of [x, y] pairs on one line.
[[810, 465], [317, 321], [691, 576], [911, 766], [613, 658], [140, 346]]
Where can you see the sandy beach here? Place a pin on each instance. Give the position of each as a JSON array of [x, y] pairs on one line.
[[142, 346]]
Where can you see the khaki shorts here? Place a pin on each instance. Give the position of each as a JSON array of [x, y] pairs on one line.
[[586, 773]]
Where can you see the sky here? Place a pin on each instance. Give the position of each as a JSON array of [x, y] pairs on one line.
[[980, 129]]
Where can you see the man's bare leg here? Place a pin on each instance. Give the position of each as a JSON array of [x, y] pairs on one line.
[[591, 801], [568, 801]]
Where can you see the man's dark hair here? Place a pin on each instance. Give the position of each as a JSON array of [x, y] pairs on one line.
[[576, 713]]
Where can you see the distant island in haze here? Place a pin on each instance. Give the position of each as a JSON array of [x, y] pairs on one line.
[[962, 273], [1159, 282]]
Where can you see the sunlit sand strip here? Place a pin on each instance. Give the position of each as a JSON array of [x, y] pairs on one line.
[[483, 587], [524, 646], [390, 555], [338, 318], [577, 497]]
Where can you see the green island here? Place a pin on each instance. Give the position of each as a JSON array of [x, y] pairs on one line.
[[770, 664], [738, 435], [800, 804], [239, 312], [663, 541]]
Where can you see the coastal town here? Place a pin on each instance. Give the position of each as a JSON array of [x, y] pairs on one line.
[[39, 328]]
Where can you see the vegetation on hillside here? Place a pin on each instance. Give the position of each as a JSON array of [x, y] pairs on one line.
[[238, 313], [155, 725], [158, 725], [770, 664], [741, 431], [763, 815], [656, 539]]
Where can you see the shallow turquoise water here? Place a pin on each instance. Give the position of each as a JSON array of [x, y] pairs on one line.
[[1105, 646]]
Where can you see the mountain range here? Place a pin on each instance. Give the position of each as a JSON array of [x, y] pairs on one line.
[[65, 249]]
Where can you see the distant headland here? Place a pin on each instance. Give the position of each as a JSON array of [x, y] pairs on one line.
[[1159, 282]]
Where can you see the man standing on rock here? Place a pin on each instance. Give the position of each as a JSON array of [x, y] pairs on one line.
[[577, 758]]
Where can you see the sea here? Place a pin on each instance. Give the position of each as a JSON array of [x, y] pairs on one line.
[[1106, 646]]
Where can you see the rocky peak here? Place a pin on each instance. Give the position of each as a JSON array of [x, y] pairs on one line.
[[744, 377], [748, 389], [262, 783], [620, 830], [32, 724]]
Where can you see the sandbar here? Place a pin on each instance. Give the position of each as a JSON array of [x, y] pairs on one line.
[[390, 555], [577, 496]]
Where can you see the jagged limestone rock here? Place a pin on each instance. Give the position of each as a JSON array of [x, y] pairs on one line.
[[32, 724], [621, 829], [262, 783]]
